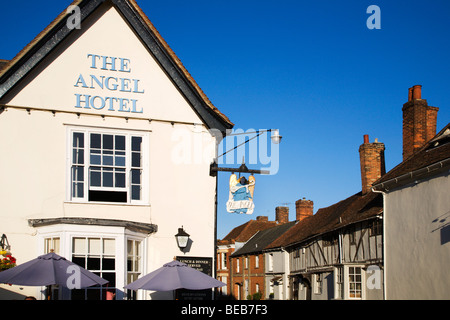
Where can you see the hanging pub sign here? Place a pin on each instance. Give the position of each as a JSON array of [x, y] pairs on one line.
[[241, 195]]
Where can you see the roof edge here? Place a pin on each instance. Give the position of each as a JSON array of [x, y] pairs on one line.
[[33, 53]]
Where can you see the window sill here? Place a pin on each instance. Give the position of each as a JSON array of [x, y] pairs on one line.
[[119, 204]]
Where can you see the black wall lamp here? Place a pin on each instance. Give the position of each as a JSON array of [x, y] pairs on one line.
[[182, 238], [4, 242]]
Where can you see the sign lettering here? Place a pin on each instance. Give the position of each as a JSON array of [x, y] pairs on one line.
[[110, 84]]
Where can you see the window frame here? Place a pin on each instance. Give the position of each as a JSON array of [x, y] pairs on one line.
[[339, 282], [89, 256], [144, 165], [355, 282], [137, 261], [223, 256], [376, 227]]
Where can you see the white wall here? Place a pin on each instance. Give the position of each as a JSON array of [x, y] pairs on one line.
[[417, 240], [35, 146]]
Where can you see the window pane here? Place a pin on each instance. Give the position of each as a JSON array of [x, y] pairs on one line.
[[78, 140], [78, 173], [77, 190], [135, 176], [79, 260], [135, 159], [95, 246], [95, 157], [129, 247], [108, 264], [107, 177], [79, 245], [107, 141], [78, 156], [129, 264], [120, 179], [111, 277], [135, 192], [108, 160], [96, 178], [120, 161], [120, 142], [136, 143], [93, 263], [136, 246], [96, 141], [109, 247]]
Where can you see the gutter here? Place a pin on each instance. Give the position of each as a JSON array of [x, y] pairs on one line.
[[435, 168]]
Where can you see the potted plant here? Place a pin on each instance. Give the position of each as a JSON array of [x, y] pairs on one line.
[[7, 261]]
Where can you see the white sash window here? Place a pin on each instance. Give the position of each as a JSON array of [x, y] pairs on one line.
[[107, 165]]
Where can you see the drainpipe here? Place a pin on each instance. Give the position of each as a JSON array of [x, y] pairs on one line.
[[384, 240], [287, 269], [340, 242]]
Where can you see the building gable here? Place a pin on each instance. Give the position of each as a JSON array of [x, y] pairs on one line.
[[115, 64]]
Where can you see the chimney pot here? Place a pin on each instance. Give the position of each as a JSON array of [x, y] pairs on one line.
[[417, 92], [366, 138], [410, 94]]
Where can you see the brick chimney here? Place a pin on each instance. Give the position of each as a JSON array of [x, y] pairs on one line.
[[371, 157], [303, 209], [262, 218], [419, 121], [282, 215]]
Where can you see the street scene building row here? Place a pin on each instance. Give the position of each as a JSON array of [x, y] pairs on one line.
[[380, 243]]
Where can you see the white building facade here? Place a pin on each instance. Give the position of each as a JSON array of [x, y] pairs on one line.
[[106, 147]]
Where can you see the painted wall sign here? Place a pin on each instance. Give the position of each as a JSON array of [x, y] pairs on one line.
[[111, 83], [241, 195]]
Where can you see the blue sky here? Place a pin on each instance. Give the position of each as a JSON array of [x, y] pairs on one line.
[[311, 69]]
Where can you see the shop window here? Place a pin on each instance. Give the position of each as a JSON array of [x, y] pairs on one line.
[[106, 166]]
